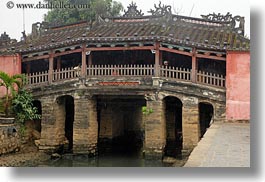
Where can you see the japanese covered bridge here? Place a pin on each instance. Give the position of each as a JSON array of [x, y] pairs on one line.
[[155, 81]]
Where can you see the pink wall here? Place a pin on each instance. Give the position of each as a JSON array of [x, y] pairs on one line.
[[10, 64], [238, 85]]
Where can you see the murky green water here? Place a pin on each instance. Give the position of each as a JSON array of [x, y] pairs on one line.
[[108, 160]]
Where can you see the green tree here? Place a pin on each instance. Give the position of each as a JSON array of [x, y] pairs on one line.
[[10, 83], [22, 105], [95, 8]]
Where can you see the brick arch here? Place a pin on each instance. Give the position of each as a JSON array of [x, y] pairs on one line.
[[37, 123], [206, 115], [164, 94], [173, 107], [210, 102], [64, 119]]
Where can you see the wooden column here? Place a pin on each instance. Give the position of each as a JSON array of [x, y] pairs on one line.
[[51, 59], [83, 67], [194, 66], [59, 63], [28, 67], [157, 58], [160, 58], [90, 59]]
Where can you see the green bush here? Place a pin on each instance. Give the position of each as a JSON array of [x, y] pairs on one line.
[[22, 105]]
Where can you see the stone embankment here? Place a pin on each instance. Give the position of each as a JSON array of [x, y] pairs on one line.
[[28, 156], [9, 138]]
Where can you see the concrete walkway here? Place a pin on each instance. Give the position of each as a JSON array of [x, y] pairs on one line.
[[223, 145]]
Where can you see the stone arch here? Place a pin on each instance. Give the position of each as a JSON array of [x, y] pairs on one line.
[[163, 94], [37, 122], [173, 119], [206, 116], [64, 114]]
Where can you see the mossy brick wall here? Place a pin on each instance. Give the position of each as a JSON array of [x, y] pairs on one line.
[[9, 139]]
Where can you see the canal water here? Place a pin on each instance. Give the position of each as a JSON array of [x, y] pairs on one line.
[[118, 153], [113, 159], [108, 161]]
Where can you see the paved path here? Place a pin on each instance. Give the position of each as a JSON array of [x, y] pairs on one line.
[[223, 145]]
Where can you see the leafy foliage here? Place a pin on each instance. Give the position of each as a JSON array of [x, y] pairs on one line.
[[90, 12], [147, 111], [10, 83], [22, 105]]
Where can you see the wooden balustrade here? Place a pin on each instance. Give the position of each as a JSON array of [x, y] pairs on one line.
[[210, 79], [120, 70], [38, 78], [175, 73], [66, 73]]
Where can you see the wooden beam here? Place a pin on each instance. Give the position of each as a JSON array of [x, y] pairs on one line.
[[120, 48], [210, 57], [67, 52], [35, 58], [175, 51], [47, 56]]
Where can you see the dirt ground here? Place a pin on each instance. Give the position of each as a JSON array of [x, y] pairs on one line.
[[28, 156]]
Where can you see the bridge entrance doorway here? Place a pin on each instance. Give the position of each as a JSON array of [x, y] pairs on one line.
[[206, 116], [121, 128], [65, 119], [173, 116]]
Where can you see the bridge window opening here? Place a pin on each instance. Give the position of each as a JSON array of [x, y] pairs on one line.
[[212, 66], [206, 117], [174, 137], [143, 57], [35, 66], [121, 128], [176, 60], [65, 120], [68, 61]]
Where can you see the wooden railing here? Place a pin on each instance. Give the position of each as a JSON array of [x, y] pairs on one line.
[[66, 73], [120, 70], [38, 78], [174, 73], [210, 79]]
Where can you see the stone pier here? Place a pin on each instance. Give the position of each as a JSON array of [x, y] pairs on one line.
[[190, 123], [48, 134], [155, 129], [85, 130]]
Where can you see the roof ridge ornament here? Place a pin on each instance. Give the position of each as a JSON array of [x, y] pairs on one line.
[[132, 11], [161, 10], [237, 22], [218, 17]]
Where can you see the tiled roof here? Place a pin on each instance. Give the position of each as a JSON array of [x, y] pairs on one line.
[[168, 29]]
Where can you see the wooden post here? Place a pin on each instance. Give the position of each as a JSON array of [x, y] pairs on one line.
[[90, 59], [28, 67], [157, 58], [83, 67], [160, 58], [59, 63], [194, 66], [51, 58]]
